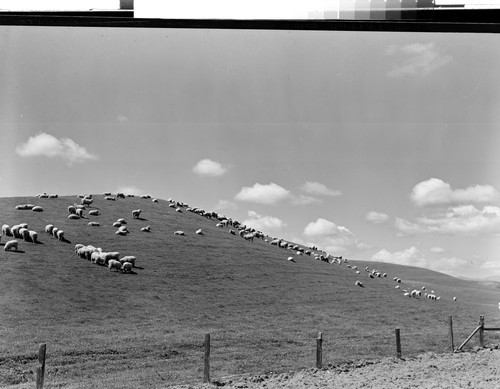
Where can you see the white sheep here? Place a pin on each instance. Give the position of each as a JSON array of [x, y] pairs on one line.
[[60, 234], [128, 258], [248, 237], [290, 259], [93, 224], [114, 264], [454, 299], [106, 194], [199, 232], [117, 224], [86, 201], [6, 230], [146, 229], [33, 236], [94, 212], [179, 233], [111, 198], [78, 246], [232, 232], [73, 216], [122, 221], [79, 212], [359, 283], [71, 209], [48, 228], [37, 209], [123, 233], [25, 234], [123, 228], [127, 267], [11, 244], [178, 210]]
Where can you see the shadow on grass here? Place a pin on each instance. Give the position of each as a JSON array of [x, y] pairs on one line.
[[64, 240], [138, 267], [38, 242], [140, 218]]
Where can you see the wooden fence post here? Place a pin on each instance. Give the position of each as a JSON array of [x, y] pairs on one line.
[[319, 351], [481, 331], [398, 343], [206, 372], [450, 321], [40, 371]]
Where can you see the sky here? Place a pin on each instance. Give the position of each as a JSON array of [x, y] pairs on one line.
[[375, 146]]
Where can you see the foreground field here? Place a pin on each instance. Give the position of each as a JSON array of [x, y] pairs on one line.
[[146, 329], [447, 371]]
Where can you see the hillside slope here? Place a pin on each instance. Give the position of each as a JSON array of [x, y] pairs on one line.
[[146, 328]]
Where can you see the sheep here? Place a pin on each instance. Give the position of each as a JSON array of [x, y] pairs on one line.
[[98, 259], [53, 196], [54, 232], [113, 264], [119, 232], [11, 244], [122, 221], [33, 236], [117, 224], [290, 259], [124, 229], [232, 232], [155, 200], [171, 205], [359, 283], [78, 246], [199, 232], [25, 234], [93, 224], [48, 228], [71, 209], [178, 210], [110, 198], [79, 212], [6, 230], [73, 216], [128, 258], [127, 267], [248, 237], [106, 194], [179, 233], [136, 213], [60, 234], [37, 209], [112, 255], [94, 212], [86, 201], [454, 299], [120, 196], [146, 229]]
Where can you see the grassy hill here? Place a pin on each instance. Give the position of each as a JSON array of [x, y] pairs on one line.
[[111, 330]]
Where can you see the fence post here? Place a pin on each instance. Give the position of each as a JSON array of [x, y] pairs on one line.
[[206, 372], [398, 343], [319, 351], [40, 371], [451, 333], [481, 331]]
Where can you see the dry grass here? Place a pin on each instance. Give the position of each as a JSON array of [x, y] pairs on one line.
[[111, 330]]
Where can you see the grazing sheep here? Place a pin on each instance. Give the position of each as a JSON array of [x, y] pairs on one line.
[[78, 246], [136, 213], [54, 232], [79, 212], [155, 200], [6, 230], [248, 237], [128, 258], [25, 234], [110, 198], [359, 283], [122, 221], [71, 209], [73, 216], [178, 210], [407, 294], [94, 212], [290, 259], [179, 233], [33, 236], [117, 224], [171, 205], [10, 245], [86, 201], [232, 232], [37, 209], [199, 232], [127, 267], [124, 229], [454, 299], [114, 264], [122, 233], [48, 228], [146, 229], [106, 194], [93, 224], [60, 234], [120, 196]]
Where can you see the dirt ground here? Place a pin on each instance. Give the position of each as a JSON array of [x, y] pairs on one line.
[[472, 369]]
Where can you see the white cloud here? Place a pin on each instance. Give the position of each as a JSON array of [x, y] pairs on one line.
[[122, 118], [413, 257], [264, 223], [437, 192], [304, 200], [333, 238], [437, 250], [225, 205], [376, 217], [48, 145], [419, 60], [263, 194], [461, 220], [316, 188], [207, 167], [130, 189]]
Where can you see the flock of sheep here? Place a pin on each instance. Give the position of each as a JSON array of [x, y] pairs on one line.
[[126, 263]]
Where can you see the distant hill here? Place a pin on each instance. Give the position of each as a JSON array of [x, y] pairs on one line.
[[263, 311]]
